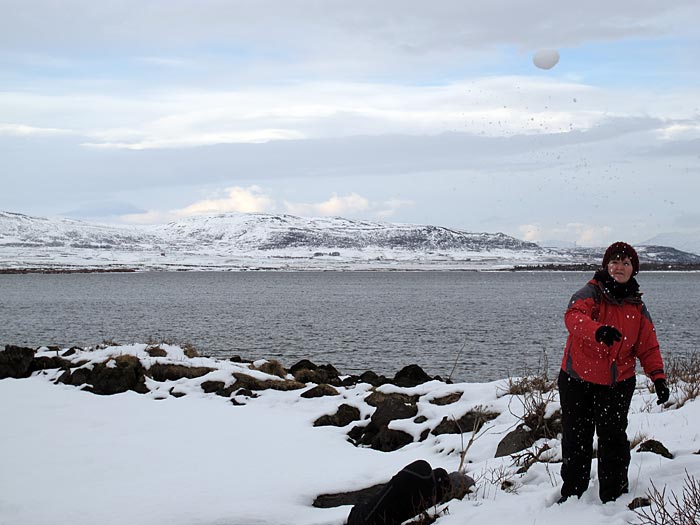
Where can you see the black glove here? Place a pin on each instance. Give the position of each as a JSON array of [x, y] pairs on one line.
[[608, 335], [662, 391]]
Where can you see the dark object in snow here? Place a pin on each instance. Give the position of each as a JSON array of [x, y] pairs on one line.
[[371, 378], [156, 351], [410, 376], [413, 490], [15, 361], [329, 501], [377, 433], [114, 376], [320, 391], [47, 363], [217, 387], [304, 364], [638, 503], [345, 415], [166, 372], [447, 400], [472, 421], [651, 445]]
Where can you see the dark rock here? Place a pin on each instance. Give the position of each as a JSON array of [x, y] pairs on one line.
[[217, 387], [378, 398], [15, 361], [377, 433], [410, 376], [168, 372], [304, 364], [128, 374], [176, 393], [246, 392], [273, 368], [388, 440], [156, 351], [448, 399], [45, 363], [209, 387], [251, 383], [328, 501], [638, 503], [392, 408], [651, 445], [345, 415], [373, 379], [515, 441], [535, 427], [351, 380], [319, 376], [116, 375], [469, 422], [355, 434], [320, 391], [239, 359], [72, 350], [190, 351], [78, 377], [420, 419]]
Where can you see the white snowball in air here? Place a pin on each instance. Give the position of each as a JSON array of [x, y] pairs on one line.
[[546, 58]]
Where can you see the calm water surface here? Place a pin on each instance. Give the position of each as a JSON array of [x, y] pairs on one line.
[[506, 322]]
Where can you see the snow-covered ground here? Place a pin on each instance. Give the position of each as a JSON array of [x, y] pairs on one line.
[[70, 456]]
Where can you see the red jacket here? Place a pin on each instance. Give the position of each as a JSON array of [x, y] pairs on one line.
[[585, 358]]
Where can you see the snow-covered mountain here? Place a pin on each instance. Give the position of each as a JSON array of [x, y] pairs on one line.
[[257, 231], [686, 241], [246, 241]]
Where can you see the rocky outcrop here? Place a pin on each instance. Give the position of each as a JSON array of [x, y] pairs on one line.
[[170, 372], [535, 426], [472, 421], [410, 376], [307, 372], [320, 391], [345, 415], [377, 434], [252, 383], [656, 447], [114, 376], [15, 361]]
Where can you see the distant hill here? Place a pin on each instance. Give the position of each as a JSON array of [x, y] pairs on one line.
[[266, 241], [687, 241]]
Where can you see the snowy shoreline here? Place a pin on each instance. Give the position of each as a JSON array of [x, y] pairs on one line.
[[215, 441]]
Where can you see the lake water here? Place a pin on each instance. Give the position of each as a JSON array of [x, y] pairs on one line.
[[505, 322]]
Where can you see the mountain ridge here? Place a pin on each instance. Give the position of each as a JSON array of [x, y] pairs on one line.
[[259, 240]]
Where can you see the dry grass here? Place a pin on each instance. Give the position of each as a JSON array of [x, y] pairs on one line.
[[674, 510], [683, 375]]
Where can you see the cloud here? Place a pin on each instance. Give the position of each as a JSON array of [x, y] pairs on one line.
[[245, 200], [399, 27], [347, 205], [242, 200], [24, 130], [581, 233]]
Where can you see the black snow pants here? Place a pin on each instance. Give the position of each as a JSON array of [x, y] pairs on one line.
[[588, 408], [415, 488]]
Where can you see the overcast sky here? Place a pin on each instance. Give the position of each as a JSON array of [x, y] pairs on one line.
[[427, 112]]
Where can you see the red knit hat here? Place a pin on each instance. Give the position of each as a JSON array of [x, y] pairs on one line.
[[624, 249]]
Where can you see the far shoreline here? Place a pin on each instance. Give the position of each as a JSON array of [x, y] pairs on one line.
[[550, 267]]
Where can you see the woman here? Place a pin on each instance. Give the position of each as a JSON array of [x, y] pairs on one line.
[[609, 328]]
